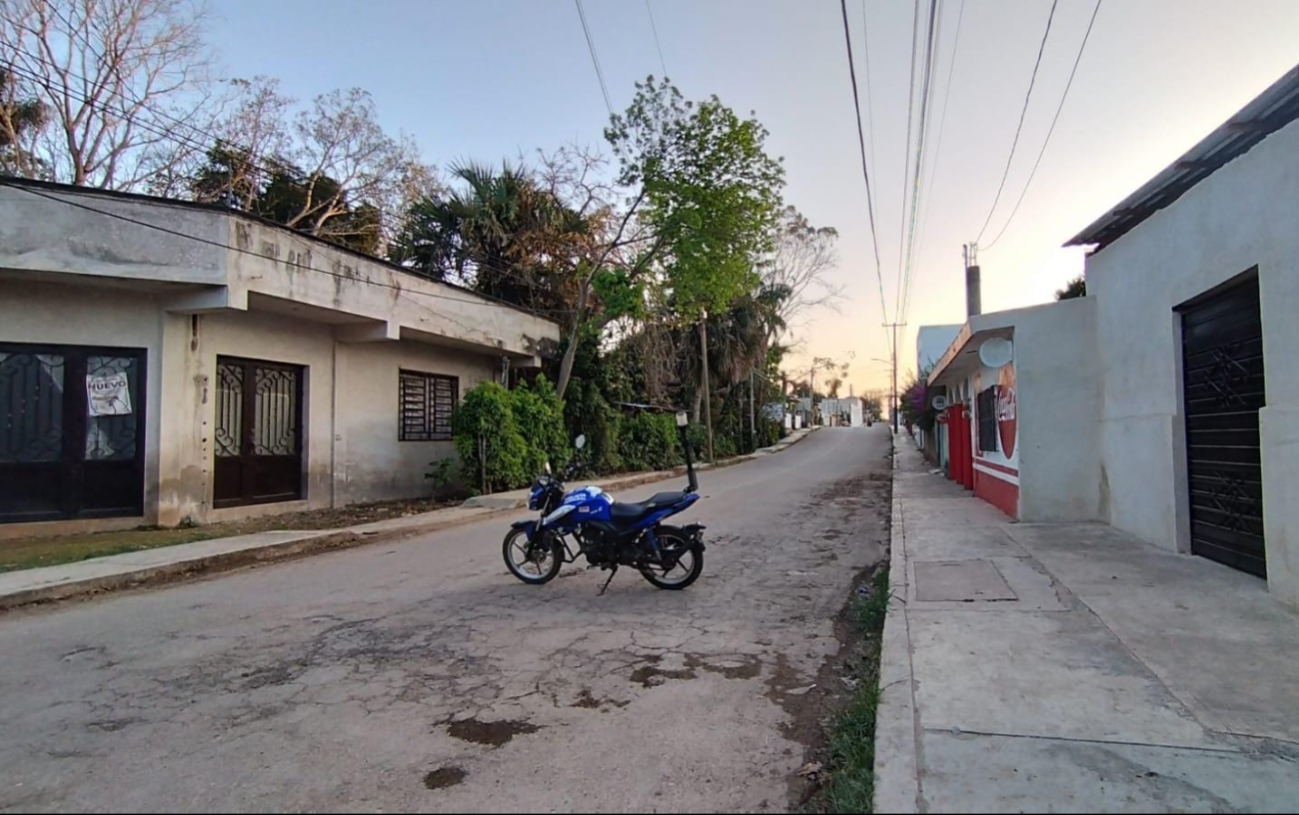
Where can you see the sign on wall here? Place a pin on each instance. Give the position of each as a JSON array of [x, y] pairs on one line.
[[108, 395], [1007, 421]]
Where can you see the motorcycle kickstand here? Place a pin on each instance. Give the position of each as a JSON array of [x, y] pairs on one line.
[[612, 572]]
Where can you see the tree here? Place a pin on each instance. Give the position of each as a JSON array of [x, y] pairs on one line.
[[122, 82], [702, 200], [21, 120], [1074, 288], [329, 170], [500, 231], [801, 258]]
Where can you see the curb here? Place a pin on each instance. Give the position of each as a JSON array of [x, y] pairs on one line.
[[310, 543], [897, 778]]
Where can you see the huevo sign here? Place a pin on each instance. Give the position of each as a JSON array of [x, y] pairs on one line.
[[108, 395]]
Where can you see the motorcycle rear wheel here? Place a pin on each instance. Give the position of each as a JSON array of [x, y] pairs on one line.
[[686, 556], [532, 563]]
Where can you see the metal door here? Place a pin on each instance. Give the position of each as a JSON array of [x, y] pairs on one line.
[[71, 432], [258, 441], [1222, 373]]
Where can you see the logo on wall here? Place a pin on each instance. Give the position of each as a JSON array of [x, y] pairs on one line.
[[1007, 423]]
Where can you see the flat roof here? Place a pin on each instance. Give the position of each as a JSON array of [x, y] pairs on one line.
[[1270, 111], [153, 200]]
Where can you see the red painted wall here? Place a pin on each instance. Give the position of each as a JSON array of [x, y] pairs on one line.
[[1001, 494]]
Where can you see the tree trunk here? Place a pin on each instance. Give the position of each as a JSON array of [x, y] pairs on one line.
[[574, 335]]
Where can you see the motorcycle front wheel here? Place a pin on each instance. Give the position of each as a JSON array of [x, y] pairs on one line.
[[533, 562], [681, 561]]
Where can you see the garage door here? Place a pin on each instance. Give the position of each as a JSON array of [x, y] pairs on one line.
[[1222, 352]]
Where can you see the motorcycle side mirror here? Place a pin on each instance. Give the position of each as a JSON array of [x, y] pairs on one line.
[[580, 441]]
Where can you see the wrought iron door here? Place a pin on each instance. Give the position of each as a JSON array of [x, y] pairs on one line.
[[258, 440], [71, 432], [1222, 359]]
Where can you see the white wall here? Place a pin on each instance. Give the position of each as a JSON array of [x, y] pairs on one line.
[[371, 463], [70, 314], [1242, 216]]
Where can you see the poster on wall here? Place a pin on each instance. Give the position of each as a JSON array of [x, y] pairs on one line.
[[1007, 422], [108, 395]]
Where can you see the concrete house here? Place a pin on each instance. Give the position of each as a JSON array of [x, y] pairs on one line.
[[163, 361], [1164, 402]]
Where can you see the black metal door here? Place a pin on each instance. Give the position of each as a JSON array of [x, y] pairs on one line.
[[1222, 353], [258, 432], [71, 432]]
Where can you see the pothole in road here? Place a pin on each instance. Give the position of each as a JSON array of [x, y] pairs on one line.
[[651, 674], [493, 734], [587, 701], [444, 777]]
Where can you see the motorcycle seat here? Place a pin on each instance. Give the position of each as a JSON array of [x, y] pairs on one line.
[[626, 512]]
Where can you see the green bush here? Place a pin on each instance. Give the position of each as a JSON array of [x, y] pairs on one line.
[[519, 430], [484, 423], [648, 441], [539, 415]]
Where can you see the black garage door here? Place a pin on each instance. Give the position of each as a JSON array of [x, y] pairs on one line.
[[1222, 348]]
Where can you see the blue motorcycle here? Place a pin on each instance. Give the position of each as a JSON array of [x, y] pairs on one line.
[[609, 533]]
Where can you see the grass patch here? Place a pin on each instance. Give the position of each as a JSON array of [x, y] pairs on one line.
[[850, 765], [35, 552]]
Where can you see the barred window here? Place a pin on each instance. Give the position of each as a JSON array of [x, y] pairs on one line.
[[988, 420], [425, 404]]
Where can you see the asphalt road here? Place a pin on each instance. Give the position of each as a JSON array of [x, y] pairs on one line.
[[421, 676]]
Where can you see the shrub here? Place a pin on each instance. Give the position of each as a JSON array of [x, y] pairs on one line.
[[493, 453], [648, 441], [539, 415]]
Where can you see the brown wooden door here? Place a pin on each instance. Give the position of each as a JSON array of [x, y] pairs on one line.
[[72, 422], [258, 441], [1222, 358]]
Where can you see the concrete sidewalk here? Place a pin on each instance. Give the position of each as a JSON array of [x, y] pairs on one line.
[[1045, 668], [168, 563]]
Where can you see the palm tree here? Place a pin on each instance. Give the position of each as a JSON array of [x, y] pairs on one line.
[[500, 232]]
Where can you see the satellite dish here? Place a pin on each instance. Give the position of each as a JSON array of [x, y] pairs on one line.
[[997, 352], [939, 402]]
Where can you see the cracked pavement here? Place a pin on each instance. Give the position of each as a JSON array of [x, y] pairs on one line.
[[421, 676]]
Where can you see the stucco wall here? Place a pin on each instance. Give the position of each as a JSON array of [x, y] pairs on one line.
[[1240, 217], [66, 314], [1059, 387], [371, 462]]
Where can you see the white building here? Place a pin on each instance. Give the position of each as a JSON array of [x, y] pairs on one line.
[[1163, 402], [163, 361]]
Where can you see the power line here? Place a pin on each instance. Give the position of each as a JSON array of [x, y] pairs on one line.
[[1020, 126], [595, 60], [942, 126], [658, 45], [1050, 130], [861, 140], [866, 60], [922, 137], [165, 134], [199, 239], [906, 148]]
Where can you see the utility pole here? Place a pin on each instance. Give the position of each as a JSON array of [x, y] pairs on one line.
[[708, 399], [894, 402]]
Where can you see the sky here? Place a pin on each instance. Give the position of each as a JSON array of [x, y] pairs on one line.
[[491, 79]]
